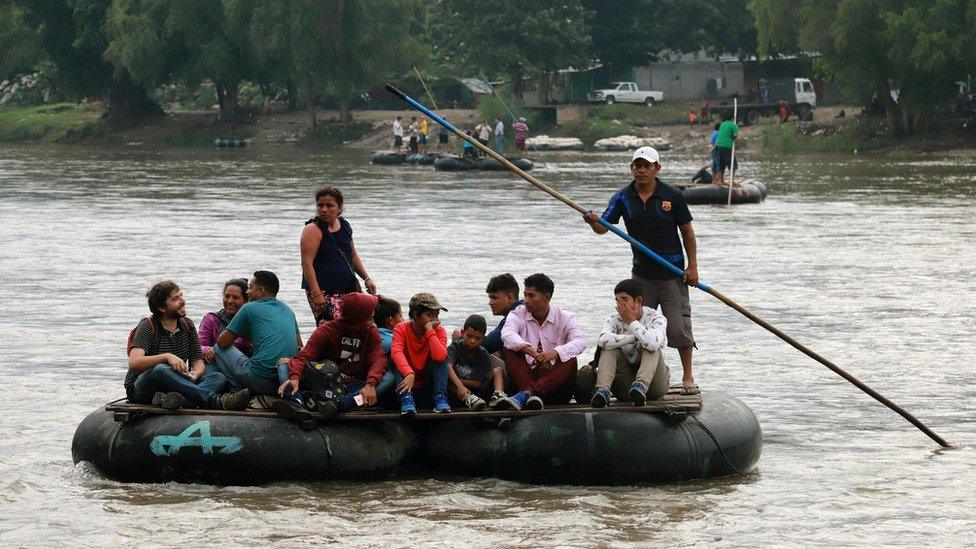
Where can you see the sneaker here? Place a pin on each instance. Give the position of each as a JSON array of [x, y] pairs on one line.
[[533, 403], [440, 403], [638, 393], [168, 401], [290, 410], [236, 401], [497, 399], [474, 402], [407, 406], [601, 398], [516, 401]]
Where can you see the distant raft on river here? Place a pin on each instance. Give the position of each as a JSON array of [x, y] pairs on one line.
[[677, 438], [458, 164], [391, 157], [745, 191]]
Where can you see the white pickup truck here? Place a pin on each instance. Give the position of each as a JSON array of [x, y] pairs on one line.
[[624, 92]]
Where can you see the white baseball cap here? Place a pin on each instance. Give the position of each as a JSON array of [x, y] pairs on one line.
[[647, 153]]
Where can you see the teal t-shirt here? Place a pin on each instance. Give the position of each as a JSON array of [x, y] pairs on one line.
[[728, 131], [272, 328]]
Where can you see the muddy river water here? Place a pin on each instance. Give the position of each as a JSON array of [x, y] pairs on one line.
[[869, 260]]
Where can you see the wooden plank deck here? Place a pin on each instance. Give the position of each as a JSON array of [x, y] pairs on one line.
[[673, 400]]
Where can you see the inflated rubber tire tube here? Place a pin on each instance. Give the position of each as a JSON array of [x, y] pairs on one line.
[[421, 158], [454, 164], [719, 194], [243, 450], [493, 165], [388, 158], [762, 188], [603, 448]]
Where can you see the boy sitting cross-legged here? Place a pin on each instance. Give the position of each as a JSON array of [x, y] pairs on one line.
[[630, 350], [419, 353], [469, 366]]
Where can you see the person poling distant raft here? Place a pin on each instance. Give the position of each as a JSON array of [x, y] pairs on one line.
[[675, 270]]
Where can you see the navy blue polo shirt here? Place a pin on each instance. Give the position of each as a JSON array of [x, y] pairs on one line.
[[654, 223]]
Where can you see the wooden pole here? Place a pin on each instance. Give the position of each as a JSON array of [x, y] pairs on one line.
[[676, 271], [735, 120]]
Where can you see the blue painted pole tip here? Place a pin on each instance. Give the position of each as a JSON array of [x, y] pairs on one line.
[[393, 89]]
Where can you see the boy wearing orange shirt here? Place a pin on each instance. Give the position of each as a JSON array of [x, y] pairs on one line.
[[419, 353]]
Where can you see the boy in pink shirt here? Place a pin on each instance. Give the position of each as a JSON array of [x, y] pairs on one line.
[[419, 352]]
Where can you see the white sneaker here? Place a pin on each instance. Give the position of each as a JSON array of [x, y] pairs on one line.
[[474, 402], [497, 398]]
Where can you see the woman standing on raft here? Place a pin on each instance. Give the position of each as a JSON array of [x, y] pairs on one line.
[[330, 262]]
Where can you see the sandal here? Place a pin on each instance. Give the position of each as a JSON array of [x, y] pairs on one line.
[[690, 389]]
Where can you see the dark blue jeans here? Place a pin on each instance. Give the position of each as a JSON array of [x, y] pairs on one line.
[[385, 388], [162, 377], [434, 379]]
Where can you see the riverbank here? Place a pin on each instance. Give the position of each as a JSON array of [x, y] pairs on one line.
[[371, 129]]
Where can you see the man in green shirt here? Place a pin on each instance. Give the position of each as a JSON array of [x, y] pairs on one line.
[[727, 133], [272, 328]]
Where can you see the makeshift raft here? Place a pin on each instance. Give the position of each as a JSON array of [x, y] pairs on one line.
[[679, 437], [746, 191], [456, 164], [391, 158]]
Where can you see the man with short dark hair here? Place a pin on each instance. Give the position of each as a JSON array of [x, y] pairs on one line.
[[272, 328], [503, 298], [631, 365], [654, 214], [541, 345], [165, 362]]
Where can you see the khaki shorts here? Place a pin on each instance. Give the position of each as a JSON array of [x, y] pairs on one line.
[[672, 295]]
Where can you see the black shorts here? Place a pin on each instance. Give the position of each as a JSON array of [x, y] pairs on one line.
[[724, 158], [423, 139], [397, 140]]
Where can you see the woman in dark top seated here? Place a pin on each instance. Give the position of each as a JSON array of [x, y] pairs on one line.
[[329, 259]]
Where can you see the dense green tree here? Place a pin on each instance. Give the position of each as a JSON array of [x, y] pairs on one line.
[[20, 45], [870, 48], [631, 33], [489, 36], [159, 41], [72, 37], [367, 40]]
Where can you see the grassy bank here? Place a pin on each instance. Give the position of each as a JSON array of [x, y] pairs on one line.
[[57, 123], [862, 135], [620, 119]]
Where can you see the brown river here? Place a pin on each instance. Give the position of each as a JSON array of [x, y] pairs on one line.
[[871, 261]]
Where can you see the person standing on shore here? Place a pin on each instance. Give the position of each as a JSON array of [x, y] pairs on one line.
[[397, 134], [499, 136], [654, 214], [521, 134]]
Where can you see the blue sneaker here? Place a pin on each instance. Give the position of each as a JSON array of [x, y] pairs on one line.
[[601, 398], [638, 393], [517, 401], [407, 406], [440, 403]]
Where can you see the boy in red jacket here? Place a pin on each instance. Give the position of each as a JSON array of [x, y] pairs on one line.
[[419, 353], [353, 343]]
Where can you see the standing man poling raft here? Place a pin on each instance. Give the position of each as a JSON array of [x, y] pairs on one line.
[[654, 213]]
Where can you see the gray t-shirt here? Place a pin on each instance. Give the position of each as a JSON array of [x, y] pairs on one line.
[[467, 367]]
